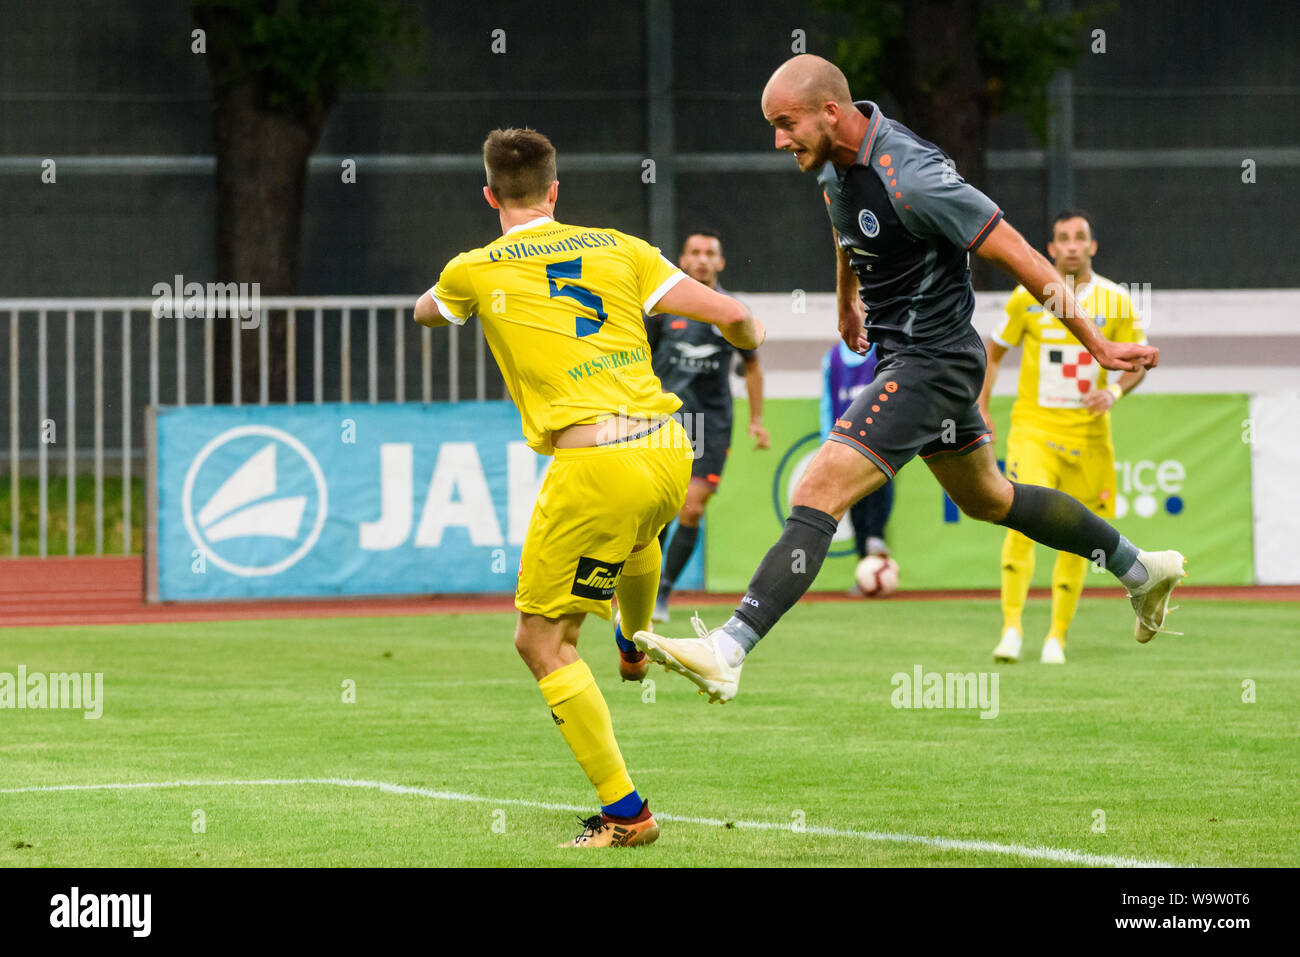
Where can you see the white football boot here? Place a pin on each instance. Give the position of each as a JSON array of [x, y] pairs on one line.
[[1151, 598], [1008, 649], [1053, 651], [660, 613], [699, 659]]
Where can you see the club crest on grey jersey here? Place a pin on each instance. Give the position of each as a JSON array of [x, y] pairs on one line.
[[868, 223]]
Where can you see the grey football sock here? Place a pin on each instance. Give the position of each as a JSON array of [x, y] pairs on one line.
[[744, 635], [1126, 553]]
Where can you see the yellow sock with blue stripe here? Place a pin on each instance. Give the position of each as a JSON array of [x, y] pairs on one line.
[[636, 591], [581, 714]]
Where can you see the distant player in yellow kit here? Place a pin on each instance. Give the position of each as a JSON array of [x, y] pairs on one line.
[[1060, 422], [561, 308]]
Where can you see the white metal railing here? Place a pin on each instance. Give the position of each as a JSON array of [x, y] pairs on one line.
[[321, 328]]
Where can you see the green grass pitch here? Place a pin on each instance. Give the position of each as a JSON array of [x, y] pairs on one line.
[[1156, 738]]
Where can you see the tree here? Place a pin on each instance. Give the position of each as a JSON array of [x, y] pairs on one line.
[[277, 67], [951, 65]]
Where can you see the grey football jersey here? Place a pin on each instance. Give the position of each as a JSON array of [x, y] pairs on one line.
[[908, 221]]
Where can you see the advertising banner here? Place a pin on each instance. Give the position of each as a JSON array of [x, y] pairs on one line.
[[341, 499], [1183, 474]]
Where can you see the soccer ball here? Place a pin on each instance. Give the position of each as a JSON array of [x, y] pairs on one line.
[[877, 576]]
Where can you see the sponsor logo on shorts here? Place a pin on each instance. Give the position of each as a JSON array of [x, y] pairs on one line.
[[595, 578]]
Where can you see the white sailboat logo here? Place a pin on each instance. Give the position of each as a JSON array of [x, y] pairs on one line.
[[230, 513], [245, 505]]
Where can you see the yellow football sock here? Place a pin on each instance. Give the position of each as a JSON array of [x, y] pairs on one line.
[[1017, 570], [582, 716], [637, 588], [1067, 585]]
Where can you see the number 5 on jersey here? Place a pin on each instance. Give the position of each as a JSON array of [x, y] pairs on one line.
[[572, 269]]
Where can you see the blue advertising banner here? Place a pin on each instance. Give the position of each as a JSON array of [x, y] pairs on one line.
[[341, 499], [344, 499]]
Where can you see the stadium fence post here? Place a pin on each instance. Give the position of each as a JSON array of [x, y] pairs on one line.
[[151, 505]]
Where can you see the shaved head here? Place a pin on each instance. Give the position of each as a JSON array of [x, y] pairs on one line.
[[807, 101], [808, 81]]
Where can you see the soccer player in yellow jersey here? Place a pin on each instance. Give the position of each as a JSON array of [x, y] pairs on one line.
[[561, 308], [1060, 422]]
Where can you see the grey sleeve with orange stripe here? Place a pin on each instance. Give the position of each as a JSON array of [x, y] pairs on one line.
[[932, 199]]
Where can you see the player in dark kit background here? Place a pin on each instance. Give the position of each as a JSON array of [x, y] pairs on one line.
[[694, 363], [905, 223]]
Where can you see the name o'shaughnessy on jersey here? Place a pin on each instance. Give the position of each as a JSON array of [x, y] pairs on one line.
[[1056, 371], [561, 308]]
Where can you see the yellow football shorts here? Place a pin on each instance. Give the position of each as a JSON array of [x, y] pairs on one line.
[[1085, 471], [594, 506]]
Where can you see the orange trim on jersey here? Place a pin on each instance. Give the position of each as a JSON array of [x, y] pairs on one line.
[[875, 456], [980, 234], [978, 438], [871, 134]]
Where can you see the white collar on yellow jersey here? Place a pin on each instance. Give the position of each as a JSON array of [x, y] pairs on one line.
[[530, 224]]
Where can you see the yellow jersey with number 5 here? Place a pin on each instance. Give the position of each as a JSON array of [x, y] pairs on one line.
[[1056, 371], [561, 308]]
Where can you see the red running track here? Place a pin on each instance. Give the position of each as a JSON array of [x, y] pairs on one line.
[[37, 592]]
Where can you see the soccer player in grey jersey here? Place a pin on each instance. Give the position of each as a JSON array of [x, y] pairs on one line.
[[904, 223]]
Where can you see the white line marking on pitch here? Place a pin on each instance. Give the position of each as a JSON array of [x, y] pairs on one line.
[[1055, 854]]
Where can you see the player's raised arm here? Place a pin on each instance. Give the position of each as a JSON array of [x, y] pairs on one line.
[[1009, 251], [694, 300]]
